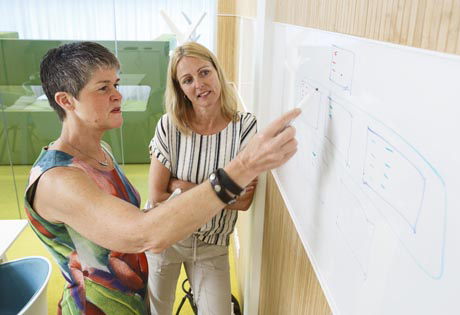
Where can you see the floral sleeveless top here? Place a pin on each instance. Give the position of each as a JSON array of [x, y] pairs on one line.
[[99, 281]]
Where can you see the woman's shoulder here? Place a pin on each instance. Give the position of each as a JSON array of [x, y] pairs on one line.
[[165, 116], [55, 158], [164, 124], [49, 158], [166, 120], [246, 117]]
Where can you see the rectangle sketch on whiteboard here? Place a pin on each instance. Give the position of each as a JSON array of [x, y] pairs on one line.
[[376, 172], [342, 65], [387, 173], [338, 128]]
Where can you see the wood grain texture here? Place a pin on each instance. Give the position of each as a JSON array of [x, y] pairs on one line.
[[229, 14], [428, 24], [246, 8], [227, 45], [289, 284], [226, 7]]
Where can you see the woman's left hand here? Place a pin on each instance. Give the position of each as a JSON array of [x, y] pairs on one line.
[[175, 183], [251, 187]]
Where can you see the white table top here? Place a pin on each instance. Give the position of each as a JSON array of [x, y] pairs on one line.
[[9, 232]]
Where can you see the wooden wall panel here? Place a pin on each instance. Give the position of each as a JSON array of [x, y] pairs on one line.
[[229, 17], [227, 45], [429, 24], [289, 284], [453, 35], [229, 14], [226, 7], [247, 8]]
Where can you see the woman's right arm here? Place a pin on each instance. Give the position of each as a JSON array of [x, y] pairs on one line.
[[69, 196], [159, 177], [160, 162]]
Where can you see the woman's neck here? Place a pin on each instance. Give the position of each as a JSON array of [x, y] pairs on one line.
[[207, 122], [89, 141]]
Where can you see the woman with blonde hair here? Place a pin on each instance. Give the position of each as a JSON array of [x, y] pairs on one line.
[[201, 132], [84, 209]]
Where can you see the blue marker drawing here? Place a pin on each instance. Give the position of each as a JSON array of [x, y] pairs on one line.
[[406, 199], [338, 128], [414, 191], [356, 228], [401, 183]]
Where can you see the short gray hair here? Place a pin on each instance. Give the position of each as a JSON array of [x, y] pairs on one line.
[[68, 68]]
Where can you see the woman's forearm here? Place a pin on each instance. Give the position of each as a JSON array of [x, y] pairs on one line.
[[178, 218], [183, 185], [174, 220]]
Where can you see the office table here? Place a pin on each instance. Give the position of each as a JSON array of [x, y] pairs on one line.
[[9, 232]]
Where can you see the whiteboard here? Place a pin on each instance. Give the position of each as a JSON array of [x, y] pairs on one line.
[[374, 188]]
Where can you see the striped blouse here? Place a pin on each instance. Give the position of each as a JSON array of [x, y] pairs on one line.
[[194, 157]]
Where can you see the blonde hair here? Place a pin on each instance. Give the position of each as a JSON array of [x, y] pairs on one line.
[[177, 105]]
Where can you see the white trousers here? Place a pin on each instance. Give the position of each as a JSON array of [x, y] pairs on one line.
[[207, 269]]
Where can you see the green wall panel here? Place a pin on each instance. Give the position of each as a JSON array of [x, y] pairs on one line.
[[30, 122]]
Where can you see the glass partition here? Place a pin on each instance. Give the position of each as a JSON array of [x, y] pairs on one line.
[[133, 30]]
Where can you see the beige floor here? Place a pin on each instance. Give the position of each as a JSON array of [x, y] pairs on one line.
[[28, 244]]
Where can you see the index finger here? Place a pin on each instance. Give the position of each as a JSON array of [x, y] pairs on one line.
[[280, 123]]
